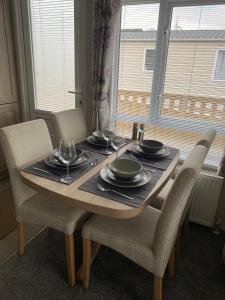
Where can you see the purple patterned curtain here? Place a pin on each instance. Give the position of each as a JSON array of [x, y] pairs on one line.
[[106, 14]]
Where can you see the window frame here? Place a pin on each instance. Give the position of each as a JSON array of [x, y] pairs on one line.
[[162, 43], [215, 64], [144, 61]]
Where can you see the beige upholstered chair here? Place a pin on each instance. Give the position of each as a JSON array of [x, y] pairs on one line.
[[149, 238], [23, 144], [206, 140], [69, 125]]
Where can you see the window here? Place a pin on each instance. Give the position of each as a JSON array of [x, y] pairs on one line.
[[179, 44], [219, 72], [133, 83], [149, 59], [194, 38], [53, 50]]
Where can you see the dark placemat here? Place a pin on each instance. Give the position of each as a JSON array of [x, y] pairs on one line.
[[138, 194], [57, 173], [160, 163], [98, 149]]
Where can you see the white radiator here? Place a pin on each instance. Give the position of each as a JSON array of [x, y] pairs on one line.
[[205, 199]]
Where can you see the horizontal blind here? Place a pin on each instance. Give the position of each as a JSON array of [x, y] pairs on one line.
[[53, 50], [192, 97], [194, 89], [136, 63]]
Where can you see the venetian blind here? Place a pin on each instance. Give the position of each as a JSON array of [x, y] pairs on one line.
[[52, 26], [193, 97]]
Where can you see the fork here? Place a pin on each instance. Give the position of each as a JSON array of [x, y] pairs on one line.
[[104, 189], [44, 171]]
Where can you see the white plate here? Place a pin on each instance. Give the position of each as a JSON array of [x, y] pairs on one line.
[[145, 179], [164, 152]]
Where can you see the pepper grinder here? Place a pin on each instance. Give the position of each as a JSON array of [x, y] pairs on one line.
[[135, 131]]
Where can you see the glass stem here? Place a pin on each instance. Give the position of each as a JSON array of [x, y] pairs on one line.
[[67, 170], [107, 150]]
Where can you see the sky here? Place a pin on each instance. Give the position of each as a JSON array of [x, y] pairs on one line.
[[145, 16]]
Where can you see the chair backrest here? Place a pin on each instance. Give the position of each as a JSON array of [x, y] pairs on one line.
[[173, 208], [221, 167], [221, 205], [207, 138], [23, 144], [69, 125]]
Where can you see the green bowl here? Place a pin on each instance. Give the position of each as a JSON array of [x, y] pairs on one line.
[[101, 136], [125, 168], [151, 146]]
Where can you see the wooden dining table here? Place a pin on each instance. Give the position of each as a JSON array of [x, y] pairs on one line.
[[90, 202]]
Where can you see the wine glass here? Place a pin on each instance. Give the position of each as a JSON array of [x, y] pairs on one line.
[[68, 152], [117, 141], [107, 138]]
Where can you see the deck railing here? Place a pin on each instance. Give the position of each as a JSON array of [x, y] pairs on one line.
[[174, 105]]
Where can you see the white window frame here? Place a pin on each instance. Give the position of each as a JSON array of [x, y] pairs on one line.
[[144, 60], [162, 40], [215, 64]]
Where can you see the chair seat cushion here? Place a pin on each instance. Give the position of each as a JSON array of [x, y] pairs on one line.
[[158, 201], [43, 210], [131, 237]]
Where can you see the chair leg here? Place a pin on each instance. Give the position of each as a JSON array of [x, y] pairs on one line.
[[94, 251], [157, 288], [20, 227], [70, 259], [86, 262], [171, 264]]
